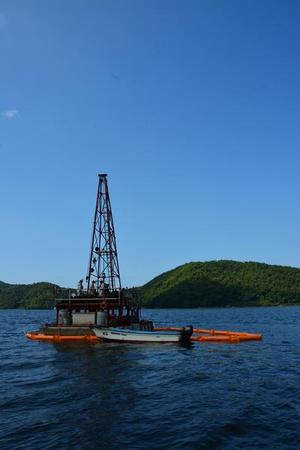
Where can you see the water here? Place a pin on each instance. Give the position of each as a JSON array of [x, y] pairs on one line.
[[126, 396]]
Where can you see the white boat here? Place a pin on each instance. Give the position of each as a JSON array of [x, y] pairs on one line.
[[140, 336]]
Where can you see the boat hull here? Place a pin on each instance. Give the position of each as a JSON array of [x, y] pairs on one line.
[[119, 334]]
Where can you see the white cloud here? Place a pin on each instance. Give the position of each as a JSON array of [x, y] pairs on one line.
[[10, 114]]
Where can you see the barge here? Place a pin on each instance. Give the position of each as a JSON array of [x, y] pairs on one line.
[[99, 299], [100, 308]]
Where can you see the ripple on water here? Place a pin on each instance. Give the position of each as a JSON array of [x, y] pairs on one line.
[[115, 396]]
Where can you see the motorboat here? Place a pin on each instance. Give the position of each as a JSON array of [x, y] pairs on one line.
[[141, 336]]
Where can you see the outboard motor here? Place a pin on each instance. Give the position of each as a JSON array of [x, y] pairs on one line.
[[146, 325], [186, 334]]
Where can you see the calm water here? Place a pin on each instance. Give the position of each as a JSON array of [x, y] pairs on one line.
[[119, 396]]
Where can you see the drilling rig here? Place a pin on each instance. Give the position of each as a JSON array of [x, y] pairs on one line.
[[99, 304], [100, 298]]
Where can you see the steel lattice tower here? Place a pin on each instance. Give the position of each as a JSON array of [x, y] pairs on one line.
[[103, 270]]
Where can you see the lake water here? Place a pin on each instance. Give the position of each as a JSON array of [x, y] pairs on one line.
[[126, 396]]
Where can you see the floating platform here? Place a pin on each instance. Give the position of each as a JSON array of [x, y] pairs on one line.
[[63, 333], [37, 336], [72, 333], [215, 336]]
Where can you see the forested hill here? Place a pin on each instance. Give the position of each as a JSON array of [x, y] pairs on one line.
[[223, 283], [196, 284], [28, 296]]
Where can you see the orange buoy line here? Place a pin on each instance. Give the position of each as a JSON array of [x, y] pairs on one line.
[[199, 335], [37, 336], [226, 337]]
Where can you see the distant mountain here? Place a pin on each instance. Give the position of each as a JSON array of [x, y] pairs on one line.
[[28, 296], [192, 285], [223, 283]]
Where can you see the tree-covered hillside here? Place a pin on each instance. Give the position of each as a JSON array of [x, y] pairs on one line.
[[196, 284], [28, 296], [223, 283]]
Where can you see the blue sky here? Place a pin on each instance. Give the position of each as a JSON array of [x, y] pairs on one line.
[[191, 107]]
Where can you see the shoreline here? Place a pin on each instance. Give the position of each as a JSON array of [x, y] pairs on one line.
[[172, 307]]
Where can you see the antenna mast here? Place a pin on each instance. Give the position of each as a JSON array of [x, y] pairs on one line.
[[103, 269]]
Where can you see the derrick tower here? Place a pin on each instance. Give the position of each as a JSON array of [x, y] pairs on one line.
[[103, 269], [103, 294]]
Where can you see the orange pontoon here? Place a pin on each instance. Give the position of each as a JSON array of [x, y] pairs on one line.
[[38, 336], [199, 335], [225, 337]]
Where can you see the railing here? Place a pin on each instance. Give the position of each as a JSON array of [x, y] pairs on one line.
[[102, 301], [64, 295]]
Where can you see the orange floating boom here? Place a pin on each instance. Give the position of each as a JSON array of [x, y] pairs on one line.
[[217, 339], [35, 335], [226, 337], [199, 335]]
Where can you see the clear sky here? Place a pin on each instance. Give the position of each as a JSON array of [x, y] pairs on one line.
[[191, 107]]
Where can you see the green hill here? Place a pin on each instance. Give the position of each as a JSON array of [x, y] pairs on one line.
[[223, 283], [28, 296], [196, 284]]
